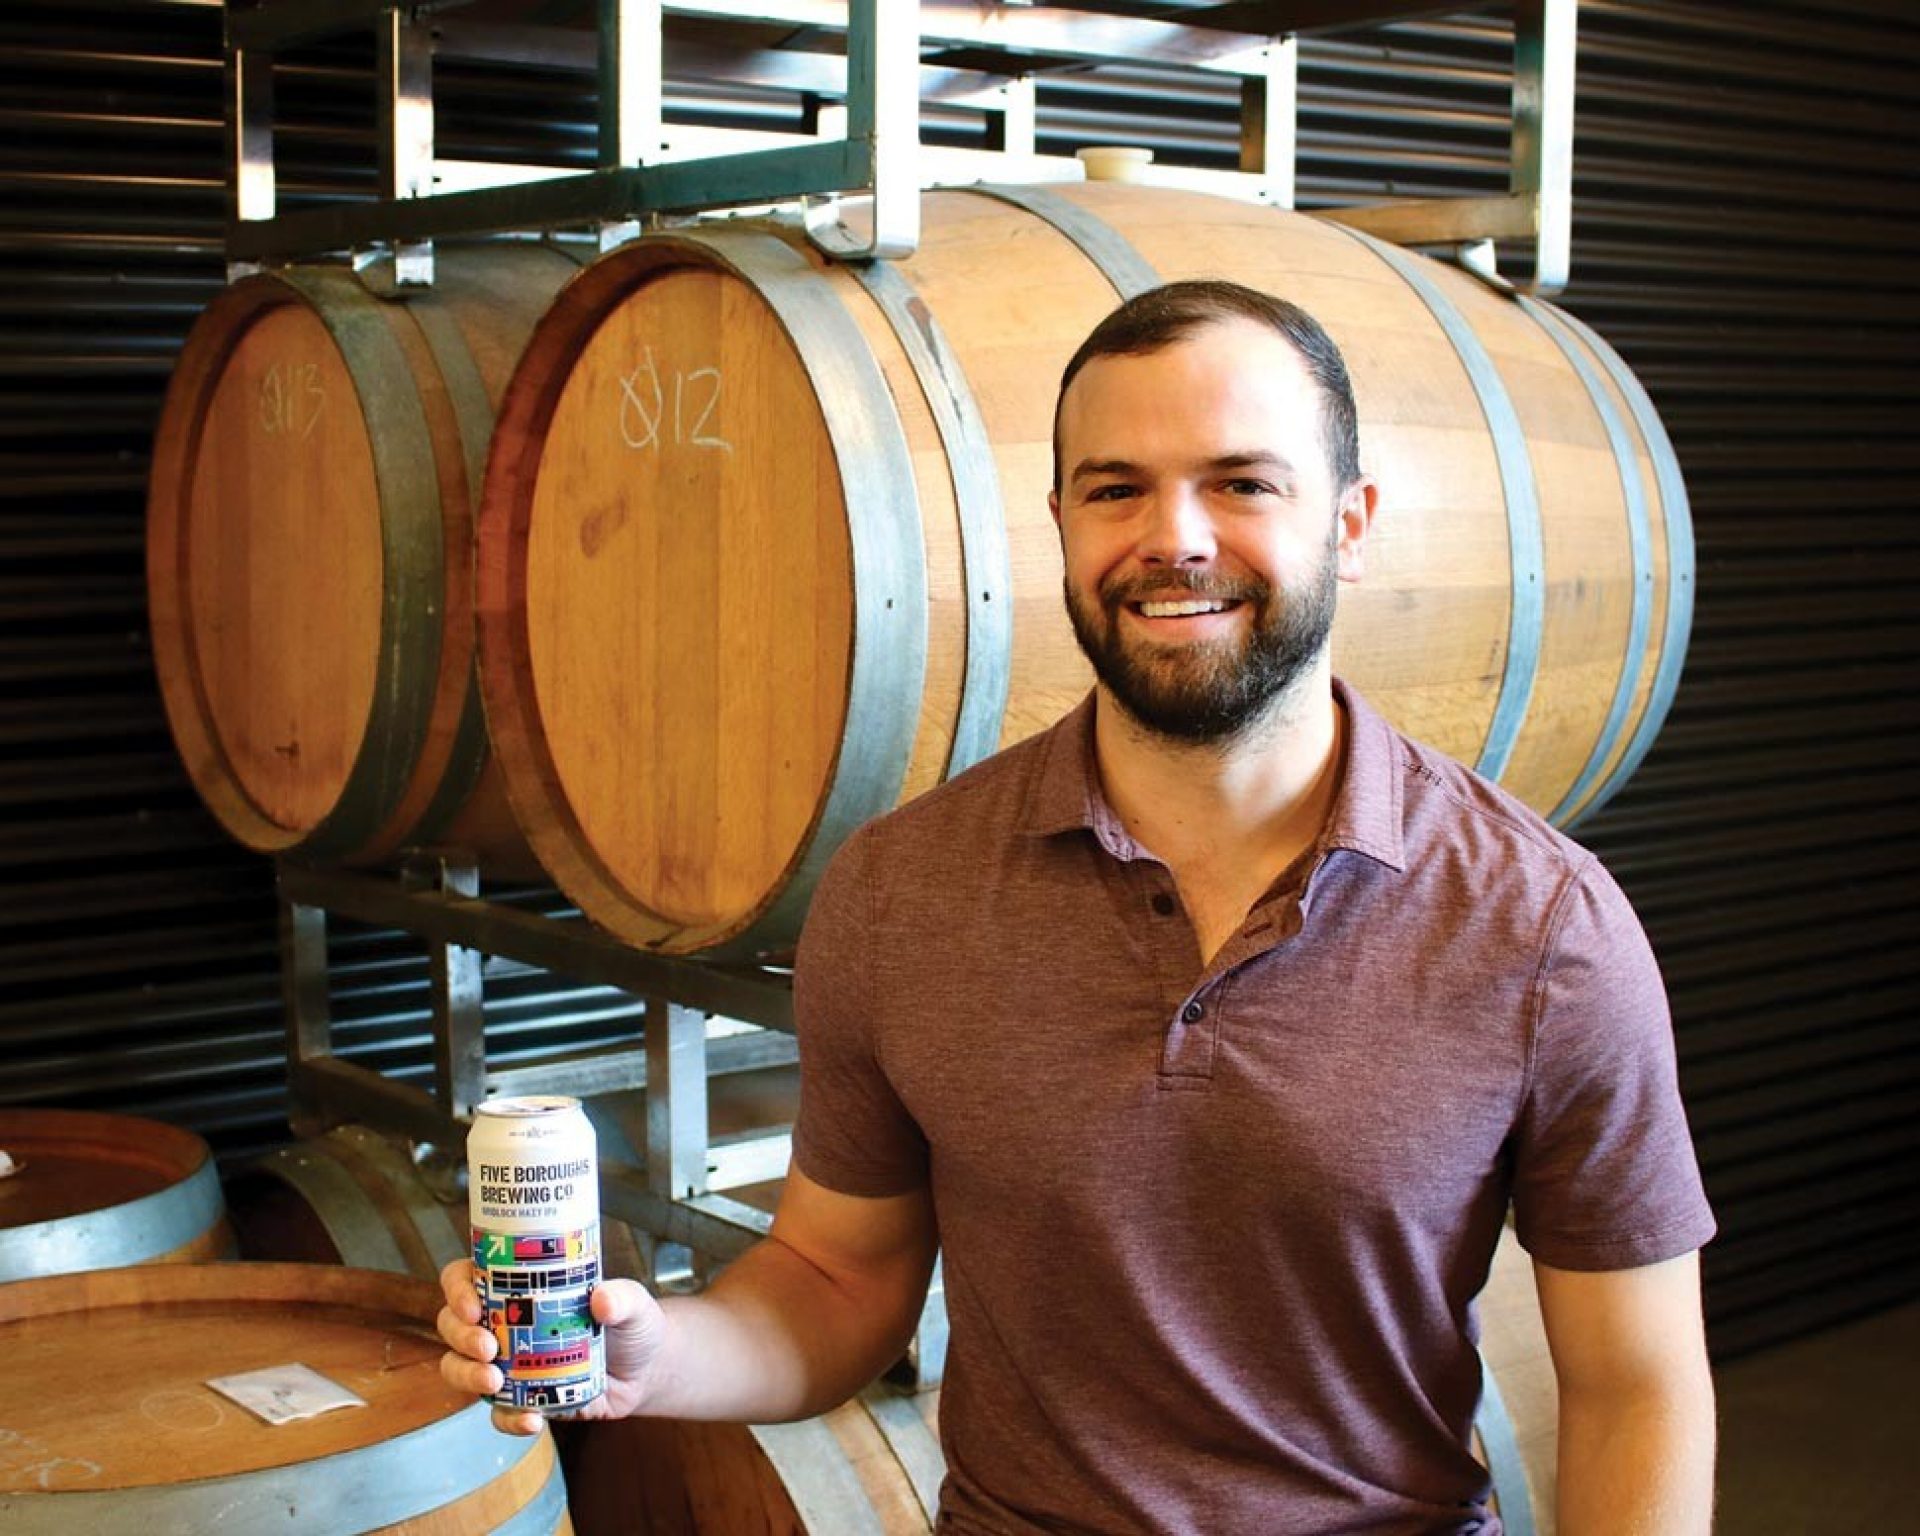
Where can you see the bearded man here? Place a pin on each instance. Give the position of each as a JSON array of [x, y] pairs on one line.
[[1212, 1034]]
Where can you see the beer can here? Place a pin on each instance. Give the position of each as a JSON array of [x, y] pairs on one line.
[[533, 1206]]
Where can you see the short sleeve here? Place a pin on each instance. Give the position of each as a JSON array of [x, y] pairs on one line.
[[1605, 1175], [853, 1133]]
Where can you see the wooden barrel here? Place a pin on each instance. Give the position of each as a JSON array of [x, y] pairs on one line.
[[309, 559], [873, 1466], [353, 1197], [96, 1191], [764, 546], [112, 1429], [356, 1196]]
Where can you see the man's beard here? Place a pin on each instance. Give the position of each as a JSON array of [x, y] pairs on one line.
[[1213, 691]]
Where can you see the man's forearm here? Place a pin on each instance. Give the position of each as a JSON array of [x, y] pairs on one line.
[[775, 1338], [1637, 1464]]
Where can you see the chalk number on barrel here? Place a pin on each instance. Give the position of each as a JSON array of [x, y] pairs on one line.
[[292, 400], [644, 409]]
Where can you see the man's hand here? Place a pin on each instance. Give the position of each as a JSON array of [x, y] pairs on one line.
[[634, 1327], [798, 1323]]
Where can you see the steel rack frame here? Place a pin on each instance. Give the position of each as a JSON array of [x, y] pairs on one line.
[[677, 1188], [858, 181]]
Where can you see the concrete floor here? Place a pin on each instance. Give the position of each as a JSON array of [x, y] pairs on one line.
[[1821, 1437]]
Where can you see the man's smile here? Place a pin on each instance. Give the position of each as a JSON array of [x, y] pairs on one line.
[[1181, 609], [1182, 615]]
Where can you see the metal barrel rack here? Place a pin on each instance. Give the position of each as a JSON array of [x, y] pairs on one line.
[[863, 71], [673, 1190], [868, 65]]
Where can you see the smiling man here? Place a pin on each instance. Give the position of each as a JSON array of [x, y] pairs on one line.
[[1220, 631], [1212, 1034]]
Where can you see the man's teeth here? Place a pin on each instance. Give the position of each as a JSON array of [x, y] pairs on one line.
[[1180, 610]]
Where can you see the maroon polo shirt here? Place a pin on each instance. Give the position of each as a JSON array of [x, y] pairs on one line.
[[1212, 1234]]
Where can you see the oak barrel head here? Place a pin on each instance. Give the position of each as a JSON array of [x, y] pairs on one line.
[[122, 1436]]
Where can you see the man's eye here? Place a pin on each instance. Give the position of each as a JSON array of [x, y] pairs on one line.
[[1117, 492], [1248, 488]]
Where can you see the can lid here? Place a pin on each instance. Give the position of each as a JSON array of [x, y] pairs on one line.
[[523, 1108]]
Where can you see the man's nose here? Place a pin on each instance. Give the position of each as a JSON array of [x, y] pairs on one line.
[[1179, 529]]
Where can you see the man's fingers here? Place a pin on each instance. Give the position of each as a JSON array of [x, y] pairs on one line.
[[469, 1339], [458, 1322], [456, 1284], [470, 1376], [511, 1421], [468, 1368]]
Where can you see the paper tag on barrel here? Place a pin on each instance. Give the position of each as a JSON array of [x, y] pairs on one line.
[[533, 1204], [280, 1394]]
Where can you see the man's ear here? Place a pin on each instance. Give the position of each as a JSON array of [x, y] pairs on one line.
[[1358, 503], [1053, 506]]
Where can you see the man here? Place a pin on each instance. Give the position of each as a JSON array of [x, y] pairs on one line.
[[1211, 1033]]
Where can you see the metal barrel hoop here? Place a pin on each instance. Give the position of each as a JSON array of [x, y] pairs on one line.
[[131, 1232], [889, 564], [985, 562], [1103, 245], [1572, 807], [339, 1204], [360, 1490], [473, 410], [913, 1444], [1678, 517], [412, 551], [1525, 540], [816, 1475], [1505, 1465]]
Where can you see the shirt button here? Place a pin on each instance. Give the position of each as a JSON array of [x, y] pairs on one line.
[[1163, 903], [1193, 1013]]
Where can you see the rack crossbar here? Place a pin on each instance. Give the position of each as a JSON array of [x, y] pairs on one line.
[[569, 946], [586, 197]]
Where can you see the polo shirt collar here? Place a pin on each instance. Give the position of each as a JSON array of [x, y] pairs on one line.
[[1366, 818], [1367, 813], [1065, 793]]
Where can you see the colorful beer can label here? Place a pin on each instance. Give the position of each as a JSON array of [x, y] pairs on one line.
[[536, 1291]]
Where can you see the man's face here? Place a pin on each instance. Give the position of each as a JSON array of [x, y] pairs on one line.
[[1201, 529]]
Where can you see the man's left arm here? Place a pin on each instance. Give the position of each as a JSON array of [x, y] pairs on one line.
[[1636, 1399]]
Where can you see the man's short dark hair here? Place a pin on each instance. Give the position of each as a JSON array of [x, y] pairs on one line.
[[1161, 316]]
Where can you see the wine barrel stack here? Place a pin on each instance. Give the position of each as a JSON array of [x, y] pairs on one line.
[[763, 548]]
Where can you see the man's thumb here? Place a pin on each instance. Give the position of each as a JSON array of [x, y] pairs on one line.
[[621, 1301]]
